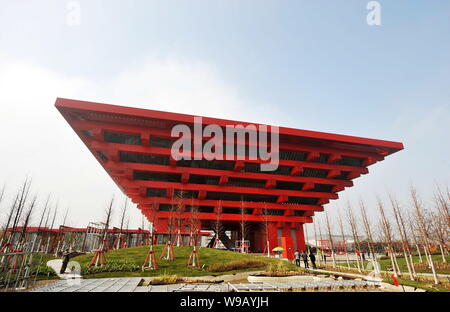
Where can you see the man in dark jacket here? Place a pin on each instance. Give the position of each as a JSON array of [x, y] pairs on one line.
[[65, 261], [305, 259], [313, 260], [67, 255]]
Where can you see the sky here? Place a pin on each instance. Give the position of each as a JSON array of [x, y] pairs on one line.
[[315, 65]]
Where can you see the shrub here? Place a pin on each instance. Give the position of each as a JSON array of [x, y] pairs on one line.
[[113, 266], [42, 270], [437, 265], [166, 279], [278, 267], [235, 265]]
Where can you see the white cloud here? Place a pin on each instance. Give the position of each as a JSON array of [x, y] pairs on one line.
[[37, 141]]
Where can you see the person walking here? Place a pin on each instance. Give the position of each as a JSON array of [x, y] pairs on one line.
[[297, 258], [65, 261], [66, 256], [312, 257], [305, 259]]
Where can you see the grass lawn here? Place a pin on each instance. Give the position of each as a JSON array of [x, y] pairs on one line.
[[42, 258], [39, 264], [208, 256], [427, 285], [386, 263], [424, 283]]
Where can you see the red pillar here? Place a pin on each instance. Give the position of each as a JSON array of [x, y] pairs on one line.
[[273, 236], [258, 241], [300, 236], [287, 243]]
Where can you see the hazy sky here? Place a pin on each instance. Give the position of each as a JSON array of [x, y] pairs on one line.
[[313, 65]]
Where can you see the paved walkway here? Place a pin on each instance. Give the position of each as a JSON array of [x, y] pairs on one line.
[[92, 285], [352, 275], [430, 275], [383, 286], [210, 278], [132, 285]]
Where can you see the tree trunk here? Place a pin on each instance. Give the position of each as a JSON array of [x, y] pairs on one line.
[[442, 253], [419, 253]]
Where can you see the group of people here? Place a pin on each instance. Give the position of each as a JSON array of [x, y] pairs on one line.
[[304, 256]]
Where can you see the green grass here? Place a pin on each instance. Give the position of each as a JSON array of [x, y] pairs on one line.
[[386, 263], [208, 257], [424, 283], [427, 285], [42, 258], [39, 264]]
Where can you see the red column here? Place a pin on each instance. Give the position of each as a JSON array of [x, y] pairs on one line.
[[287, 242], [258, 240], [300, 236], [273, 236]]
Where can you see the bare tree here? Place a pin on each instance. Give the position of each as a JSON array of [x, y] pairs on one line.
[[171, 220], [61, 235], [388, 237], [420, 221], [127, 227], [51, 227], [152, 218], [414, 235], [368, 231], [243, 225], [123, 213], [266, 213], [354, 228], [65, 216], [2, 192], [12, 210], [341, 226], [333, 256], [22, 200], [440, 222], [218, 223], [108, 217], [308, 250], [179, 209], [30, 260], [99, 258], [442, 200], [317, 246], [150, 261], [321, 240], [46, 233], [194, 223], [26, 222], [41, 220], [403, 236]]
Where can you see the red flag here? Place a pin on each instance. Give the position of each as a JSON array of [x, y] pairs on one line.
[[396, 283]]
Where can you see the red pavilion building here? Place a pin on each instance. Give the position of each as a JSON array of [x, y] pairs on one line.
[[134, 147]]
